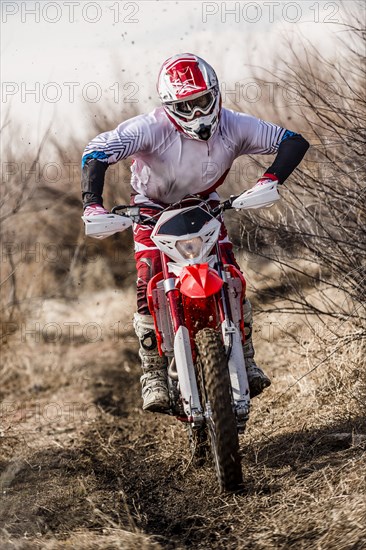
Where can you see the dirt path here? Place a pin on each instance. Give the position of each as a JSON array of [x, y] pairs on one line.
[[83, 467]]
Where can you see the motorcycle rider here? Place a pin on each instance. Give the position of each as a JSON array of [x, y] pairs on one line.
[[184, 147]]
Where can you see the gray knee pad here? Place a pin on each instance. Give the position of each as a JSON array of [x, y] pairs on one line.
[[145, 332]]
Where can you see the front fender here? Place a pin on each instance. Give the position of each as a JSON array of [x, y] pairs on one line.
[[199, 281]]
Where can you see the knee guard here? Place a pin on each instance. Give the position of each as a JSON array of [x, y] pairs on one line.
[[149, 353]]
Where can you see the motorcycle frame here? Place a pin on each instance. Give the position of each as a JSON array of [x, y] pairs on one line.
[[185, 328]]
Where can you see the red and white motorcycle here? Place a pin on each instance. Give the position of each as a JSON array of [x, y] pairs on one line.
[[196, 302]]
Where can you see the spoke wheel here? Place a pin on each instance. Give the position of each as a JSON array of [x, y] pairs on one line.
[[217, 398]]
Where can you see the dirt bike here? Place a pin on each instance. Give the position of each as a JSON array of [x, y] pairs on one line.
[[197, 305]]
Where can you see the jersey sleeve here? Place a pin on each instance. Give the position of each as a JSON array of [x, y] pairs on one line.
[[251, 135], [127, 139], [255, 136]]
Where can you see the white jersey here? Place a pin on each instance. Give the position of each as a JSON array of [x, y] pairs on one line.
[[168, 165]]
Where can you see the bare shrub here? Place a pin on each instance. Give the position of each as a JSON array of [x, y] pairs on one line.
[[44, 252], [317, 235]]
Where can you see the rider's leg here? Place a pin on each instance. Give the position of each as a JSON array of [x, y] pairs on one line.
[[257, 379], [155, 392]]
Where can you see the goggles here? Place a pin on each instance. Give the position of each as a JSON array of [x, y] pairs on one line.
[[189, 108]]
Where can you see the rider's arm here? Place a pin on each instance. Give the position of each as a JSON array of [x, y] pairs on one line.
[[108, 148], [256, 136], [291, 151]]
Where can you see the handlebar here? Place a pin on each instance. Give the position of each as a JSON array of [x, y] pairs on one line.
[[261, 196], [129, 207], [134, 212]]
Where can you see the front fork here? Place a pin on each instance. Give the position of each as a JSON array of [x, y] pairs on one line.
[[232, 338], [182, 351]]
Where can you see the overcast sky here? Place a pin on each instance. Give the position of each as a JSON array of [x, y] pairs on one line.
[[78, 53]]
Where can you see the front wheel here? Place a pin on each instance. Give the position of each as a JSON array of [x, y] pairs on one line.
[[217, 397]]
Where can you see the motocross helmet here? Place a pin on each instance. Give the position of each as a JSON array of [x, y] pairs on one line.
[[189, 92]]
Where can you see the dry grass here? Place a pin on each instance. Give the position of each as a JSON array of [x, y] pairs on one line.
[[112, 538], [109, 475]]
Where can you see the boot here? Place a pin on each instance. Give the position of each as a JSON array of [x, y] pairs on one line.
[[257, 379], [154, 380]]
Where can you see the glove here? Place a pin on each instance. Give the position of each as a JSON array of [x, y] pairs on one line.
[[95, 210], [266, 179]]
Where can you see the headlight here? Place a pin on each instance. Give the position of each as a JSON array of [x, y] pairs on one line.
[[190, 248]]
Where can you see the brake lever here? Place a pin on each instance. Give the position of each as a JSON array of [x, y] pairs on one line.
[[226, 205]]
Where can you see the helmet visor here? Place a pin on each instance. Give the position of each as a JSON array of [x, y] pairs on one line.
[[189, 108]]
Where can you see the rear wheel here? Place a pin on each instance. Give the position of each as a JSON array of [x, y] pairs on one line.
[[217, 397]]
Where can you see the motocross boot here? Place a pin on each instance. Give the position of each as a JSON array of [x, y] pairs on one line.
[[257, 379], [154, 381]]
